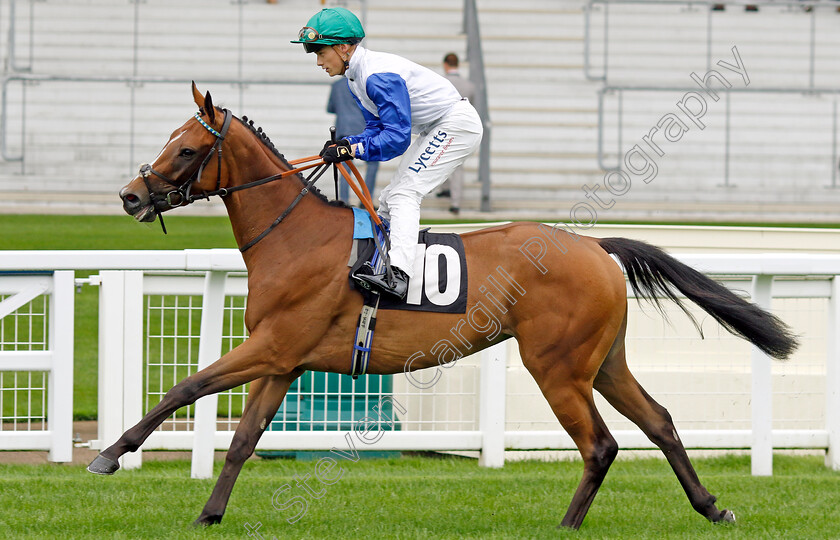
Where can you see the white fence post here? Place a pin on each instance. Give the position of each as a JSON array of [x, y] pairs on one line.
[[120, 358], [832, 378], [491, 405], [60, 393], [111, 349], [209, 350], [762, 391], [132, 357]]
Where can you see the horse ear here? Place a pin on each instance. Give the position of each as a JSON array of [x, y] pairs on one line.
[[199, 99], [209, 108]]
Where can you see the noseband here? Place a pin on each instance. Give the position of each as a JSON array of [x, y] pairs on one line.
[[180, 196]]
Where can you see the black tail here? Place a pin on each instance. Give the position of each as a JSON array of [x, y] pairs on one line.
[[653, 273]]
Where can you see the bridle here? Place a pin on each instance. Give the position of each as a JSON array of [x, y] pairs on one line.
[[182, 196]]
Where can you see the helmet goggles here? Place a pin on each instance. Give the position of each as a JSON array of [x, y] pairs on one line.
[[313, 40]]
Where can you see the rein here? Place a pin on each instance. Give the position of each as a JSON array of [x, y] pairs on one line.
[[313, 177], [183, 189]]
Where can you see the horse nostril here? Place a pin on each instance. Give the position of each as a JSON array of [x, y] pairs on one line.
[[130, 200]]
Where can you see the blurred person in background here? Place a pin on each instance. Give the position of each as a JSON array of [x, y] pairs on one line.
[[453, 187]]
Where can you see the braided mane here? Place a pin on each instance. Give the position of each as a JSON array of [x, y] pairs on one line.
[[261, 135]]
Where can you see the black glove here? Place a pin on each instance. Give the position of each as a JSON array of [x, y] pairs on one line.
[[327, 144], [337, 152]]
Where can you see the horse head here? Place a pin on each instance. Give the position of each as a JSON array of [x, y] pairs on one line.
[[189, 167], [183, 166]]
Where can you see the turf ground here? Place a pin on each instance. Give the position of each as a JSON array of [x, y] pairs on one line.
[[423, 497]]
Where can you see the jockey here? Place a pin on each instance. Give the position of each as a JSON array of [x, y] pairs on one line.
[[398, 98]]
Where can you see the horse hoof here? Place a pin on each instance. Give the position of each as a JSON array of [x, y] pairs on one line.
[[103, 465], [206, 521]]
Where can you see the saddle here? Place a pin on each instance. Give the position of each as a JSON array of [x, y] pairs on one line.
[[439, 283], [440, 268]]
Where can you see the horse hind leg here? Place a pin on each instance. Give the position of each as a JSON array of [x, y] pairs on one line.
[[596, 445], [264, 398], [615, 382], [571, 400]]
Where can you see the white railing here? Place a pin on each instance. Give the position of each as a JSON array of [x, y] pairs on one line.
[[36, 362], [483, 394]]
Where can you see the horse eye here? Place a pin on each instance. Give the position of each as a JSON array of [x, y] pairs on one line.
[[187, 152]]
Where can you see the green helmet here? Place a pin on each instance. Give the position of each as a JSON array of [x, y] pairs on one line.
[[330, 26]]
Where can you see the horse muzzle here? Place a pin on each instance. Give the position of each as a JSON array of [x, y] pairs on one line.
[[138, 206]]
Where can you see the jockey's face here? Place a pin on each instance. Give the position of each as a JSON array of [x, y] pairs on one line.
[[331, 58]]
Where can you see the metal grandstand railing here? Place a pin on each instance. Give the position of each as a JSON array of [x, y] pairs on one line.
[[829, 156], [810, 8], [240, 58], [607, 28], [475, 57], [131, 83], [21, 68]]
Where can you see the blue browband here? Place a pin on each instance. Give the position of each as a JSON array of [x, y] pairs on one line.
[[208, 126]]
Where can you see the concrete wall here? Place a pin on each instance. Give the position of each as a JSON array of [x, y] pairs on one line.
[[82, 140]]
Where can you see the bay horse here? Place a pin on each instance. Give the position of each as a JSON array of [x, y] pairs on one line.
[[569, 313]]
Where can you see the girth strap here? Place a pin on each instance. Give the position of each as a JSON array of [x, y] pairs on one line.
[[364, 335]]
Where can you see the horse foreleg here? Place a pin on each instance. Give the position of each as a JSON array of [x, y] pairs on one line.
[[241, 365], [615, 382], [264, 398]]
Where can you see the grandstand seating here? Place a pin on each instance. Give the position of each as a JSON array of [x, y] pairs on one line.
[[82, 139]]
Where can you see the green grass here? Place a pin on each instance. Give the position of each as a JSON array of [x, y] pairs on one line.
[[416, 497], [113, 232]]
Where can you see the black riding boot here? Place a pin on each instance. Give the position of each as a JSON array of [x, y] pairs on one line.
[[398, 287]]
